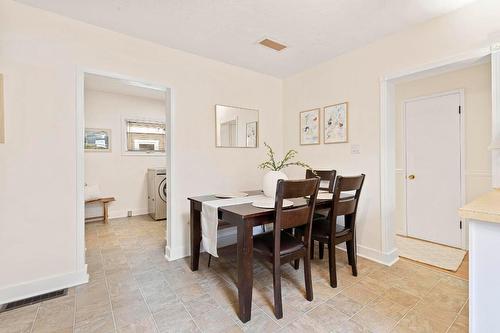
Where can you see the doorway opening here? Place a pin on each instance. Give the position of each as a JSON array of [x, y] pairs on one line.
[[435, 133], [123, 167]]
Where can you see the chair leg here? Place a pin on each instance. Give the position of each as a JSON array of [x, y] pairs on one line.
[[307, 277], [351, 255], [332, 264], [209, 259], [278, 306], [321, 250], [296, 262], [312, 249]]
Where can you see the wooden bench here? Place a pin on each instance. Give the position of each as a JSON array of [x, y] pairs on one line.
[[104, 202]]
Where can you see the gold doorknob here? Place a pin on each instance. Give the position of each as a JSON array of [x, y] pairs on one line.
[[411, 177]]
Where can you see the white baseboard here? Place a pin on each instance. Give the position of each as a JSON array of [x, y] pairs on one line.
[[119, 213], [387, 259], [115, 213], [177, 252], [38, 287]]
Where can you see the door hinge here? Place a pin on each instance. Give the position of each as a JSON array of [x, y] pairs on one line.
[[460, 224], [460, 109]]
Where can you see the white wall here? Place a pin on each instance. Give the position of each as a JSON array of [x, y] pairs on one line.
[[355, 77], [40, 54], [121, 176], [476, 82]]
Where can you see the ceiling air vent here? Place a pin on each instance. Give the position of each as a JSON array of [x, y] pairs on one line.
[[272, 44]]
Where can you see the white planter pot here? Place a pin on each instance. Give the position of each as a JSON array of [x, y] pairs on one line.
[[270, 181]]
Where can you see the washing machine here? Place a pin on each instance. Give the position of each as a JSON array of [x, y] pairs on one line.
[[157, 193]]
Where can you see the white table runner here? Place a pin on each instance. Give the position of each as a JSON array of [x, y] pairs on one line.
[[210, 219]]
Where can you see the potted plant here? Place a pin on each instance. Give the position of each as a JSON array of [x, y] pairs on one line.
[[271, 178]]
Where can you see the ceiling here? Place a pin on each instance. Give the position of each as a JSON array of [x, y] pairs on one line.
[[122, 87], [229, 30]]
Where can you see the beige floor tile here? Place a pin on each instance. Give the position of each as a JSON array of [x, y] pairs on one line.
[[401, 297], [131, 314], [360, 294], [19, 320], [147, 325], [86, 314], [100, 323], [436, 311], [56, 315], [461, 325], [190, 292], [202, 304], [350, 326], [374, 321], [216, 320], [304, 324], [159, 296], [260, 322], [174, 318], [327, 317], [388, 308], [345, 304], [414, 322]]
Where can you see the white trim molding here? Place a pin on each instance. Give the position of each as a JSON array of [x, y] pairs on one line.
[[388, 133], [495, 115], [80, 157], [38, 287]]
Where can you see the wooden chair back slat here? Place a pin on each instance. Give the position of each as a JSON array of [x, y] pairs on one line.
[[324, 175], [293, 217], [346, 206]]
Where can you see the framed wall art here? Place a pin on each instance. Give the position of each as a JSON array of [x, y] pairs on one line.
[[251, 134], [309, 127], [97, 139], [335, 123]]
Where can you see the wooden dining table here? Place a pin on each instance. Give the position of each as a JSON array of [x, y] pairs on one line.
[[244, 217]]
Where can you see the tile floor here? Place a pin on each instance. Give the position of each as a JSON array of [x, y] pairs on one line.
[[133, 289]]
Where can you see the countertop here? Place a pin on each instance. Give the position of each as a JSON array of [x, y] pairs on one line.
[[484, 208]]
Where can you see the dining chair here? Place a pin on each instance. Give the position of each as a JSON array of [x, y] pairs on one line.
[[279, 246], [324, 176], [328, 177], [345, 201]]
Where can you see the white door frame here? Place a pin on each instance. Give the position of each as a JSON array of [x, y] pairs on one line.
[[80, 153], [388, 137], [461, 92]]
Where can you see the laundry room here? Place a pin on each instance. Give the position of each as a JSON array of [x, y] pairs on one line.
[[124, 151]]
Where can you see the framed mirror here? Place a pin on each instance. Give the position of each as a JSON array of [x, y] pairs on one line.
[[236, 127]]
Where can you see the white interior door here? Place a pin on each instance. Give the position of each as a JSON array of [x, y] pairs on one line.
[[433, 168]]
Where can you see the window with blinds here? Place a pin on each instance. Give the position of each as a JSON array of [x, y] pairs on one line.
[[145, 136]]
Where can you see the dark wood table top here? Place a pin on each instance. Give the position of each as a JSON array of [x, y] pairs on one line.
[[246, 210]]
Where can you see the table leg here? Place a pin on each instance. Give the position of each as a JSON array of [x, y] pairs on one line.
[[105, 211], [245, 270], [195, 224]]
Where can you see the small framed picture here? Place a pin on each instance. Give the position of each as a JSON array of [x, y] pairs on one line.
[[335, 123], [97, 139], [252, 134], [309, 127]]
